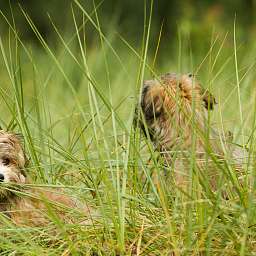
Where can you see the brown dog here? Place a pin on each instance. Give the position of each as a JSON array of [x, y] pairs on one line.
[[173, 113], [29, 206]]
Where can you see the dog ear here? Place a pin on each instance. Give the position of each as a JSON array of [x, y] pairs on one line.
[[152, 100], [20, 137], [208, 99]]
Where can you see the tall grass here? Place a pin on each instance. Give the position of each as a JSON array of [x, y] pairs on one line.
[[74, 104]]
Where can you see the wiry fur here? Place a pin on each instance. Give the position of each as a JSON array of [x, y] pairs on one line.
[[21, 204], [173, 112]]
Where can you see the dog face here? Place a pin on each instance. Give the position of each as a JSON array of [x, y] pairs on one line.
[[172, 90], [167, 107], [12, 161]]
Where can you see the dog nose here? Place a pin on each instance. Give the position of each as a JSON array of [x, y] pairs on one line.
[[1, 177]]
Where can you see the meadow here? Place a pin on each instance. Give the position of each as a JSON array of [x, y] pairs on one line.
[[74, 103]]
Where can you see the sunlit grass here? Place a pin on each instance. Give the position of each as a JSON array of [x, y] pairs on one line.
[[74, 103]]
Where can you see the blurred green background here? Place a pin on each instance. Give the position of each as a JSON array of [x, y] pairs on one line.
[[184, 36], [128, 14], [198, 18]]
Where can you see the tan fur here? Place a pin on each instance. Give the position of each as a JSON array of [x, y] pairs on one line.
[[30, 206], [174, 113]]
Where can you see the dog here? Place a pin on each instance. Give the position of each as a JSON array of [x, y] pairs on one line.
[[173, 113], [26, 206]]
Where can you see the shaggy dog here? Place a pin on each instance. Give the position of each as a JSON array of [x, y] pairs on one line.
[[29, 206], [173, 113]]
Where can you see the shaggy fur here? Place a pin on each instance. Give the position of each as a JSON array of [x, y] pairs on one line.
[[173, 112], [28, 206]]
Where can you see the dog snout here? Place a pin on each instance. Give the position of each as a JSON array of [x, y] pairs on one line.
[[1, 177]]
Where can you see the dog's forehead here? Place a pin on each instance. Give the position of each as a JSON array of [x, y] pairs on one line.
[[172, 79], [148, 83], [9, 142], [6, 138], [189, 78], [4, 135], [169, 76], [7, 150]]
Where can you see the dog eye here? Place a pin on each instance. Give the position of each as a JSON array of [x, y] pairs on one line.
[[6, 161]]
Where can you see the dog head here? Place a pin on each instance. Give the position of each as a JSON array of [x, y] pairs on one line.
[[160, 96], [168, 104], [12, 161]]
